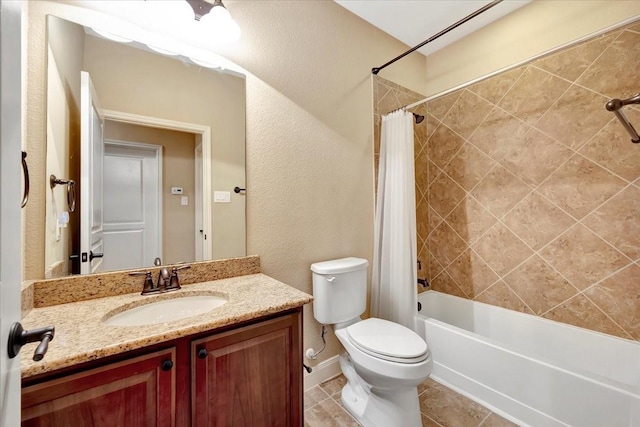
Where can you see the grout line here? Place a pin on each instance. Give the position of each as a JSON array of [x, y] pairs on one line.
[[609, 317], [485, 418]]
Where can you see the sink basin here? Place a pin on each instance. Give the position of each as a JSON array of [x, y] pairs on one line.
[[166, 310]]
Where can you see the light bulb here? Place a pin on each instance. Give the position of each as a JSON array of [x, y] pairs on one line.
[[218, 26]]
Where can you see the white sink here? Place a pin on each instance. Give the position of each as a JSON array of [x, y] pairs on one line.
[[166, 310]]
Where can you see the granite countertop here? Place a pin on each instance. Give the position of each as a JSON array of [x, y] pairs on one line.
[[82, 336]]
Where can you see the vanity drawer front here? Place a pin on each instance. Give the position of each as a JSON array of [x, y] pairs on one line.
[[135, 392]]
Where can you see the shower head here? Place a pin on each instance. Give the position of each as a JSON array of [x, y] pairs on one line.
[[419, 118]]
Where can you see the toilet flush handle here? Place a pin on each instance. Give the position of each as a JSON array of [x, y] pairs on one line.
[[331, 279]]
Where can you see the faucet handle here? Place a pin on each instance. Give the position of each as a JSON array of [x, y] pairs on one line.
[[148, 282], [175, 282]]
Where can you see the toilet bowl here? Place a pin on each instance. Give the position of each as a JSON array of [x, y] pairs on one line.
[[382, 361]]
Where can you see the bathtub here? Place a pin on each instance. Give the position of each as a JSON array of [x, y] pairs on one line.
[[531, 370]]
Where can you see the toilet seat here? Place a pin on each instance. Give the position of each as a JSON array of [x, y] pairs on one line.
[[387, 340]]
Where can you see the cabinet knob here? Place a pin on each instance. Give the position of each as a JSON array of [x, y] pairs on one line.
[[166, 365], [202, 353]]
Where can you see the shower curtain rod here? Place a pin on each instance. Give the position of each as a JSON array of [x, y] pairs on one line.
[[376, 70]]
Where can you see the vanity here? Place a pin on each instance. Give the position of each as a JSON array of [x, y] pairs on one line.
[[238, 364]]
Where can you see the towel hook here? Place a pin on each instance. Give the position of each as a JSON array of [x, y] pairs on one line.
[[71, 190]]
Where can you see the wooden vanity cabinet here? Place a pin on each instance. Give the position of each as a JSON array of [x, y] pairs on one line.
[[246, 376], [249, 377], [135, 392]]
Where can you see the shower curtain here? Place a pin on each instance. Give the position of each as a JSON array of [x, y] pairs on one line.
[[394, 294]]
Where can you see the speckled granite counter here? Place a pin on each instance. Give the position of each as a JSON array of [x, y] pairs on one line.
[[82, 336]]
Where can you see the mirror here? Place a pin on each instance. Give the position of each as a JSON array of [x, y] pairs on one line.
[[173, 151]]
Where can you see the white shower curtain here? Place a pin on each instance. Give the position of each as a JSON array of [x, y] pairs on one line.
[[394, 294]]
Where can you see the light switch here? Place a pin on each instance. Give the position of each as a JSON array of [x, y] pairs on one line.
[[184, 200], [221, 197]]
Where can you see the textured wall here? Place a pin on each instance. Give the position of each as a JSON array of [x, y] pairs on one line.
[[533, 188]]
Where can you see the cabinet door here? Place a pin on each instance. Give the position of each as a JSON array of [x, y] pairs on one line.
[[135, 392], [250, 377]]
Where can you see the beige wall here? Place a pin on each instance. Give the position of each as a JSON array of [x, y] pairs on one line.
[[309, 132], [178, 166], [65, 56], [536, 28], [532, 188]]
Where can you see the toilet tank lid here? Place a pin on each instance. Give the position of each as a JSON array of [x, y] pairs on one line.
[[343, 265]]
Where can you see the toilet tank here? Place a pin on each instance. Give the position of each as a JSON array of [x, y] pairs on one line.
[[339, 289]]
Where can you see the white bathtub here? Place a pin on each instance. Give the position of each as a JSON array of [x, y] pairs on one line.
[[535, 371]]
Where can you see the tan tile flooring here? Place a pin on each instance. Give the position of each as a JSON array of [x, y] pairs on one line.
[[440, 407]]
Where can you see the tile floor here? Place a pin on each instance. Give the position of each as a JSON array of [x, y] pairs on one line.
[[440, 406]]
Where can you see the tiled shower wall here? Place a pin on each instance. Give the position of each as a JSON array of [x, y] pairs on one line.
[[529, 190]]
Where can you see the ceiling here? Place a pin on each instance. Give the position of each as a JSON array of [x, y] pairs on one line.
[[414, 21]]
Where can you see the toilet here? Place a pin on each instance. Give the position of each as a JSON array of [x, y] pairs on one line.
[[383, 361]]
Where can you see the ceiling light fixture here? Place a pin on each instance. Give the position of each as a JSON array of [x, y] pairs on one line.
[[216, 24]]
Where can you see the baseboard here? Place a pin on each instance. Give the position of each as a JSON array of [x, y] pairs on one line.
[[322, 372]]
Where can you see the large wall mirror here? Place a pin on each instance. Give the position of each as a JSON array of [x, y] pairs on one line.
[[148, 146]]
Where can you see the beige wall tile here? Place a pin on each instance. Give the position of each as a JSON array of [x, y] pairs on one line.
[[445, 244], [574, 126], [444, 283], [388, 103], [533, 94], [536, 221], [618, 297], [470, 219], [444, 195], [500, 191], [579, 311], [469, 166], [431, 124], [612, 148], [501, 295], [618, 222], [579, 186], [434, 219], [615, 73], [421, 170], [471, 273], [494, 88], [501, 249], [443, 145], [571, 63], [582, 257], [539, 285], [534, 157], [422, 219], [467, 113], [440, 107], [495, 135], [435, 268]]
